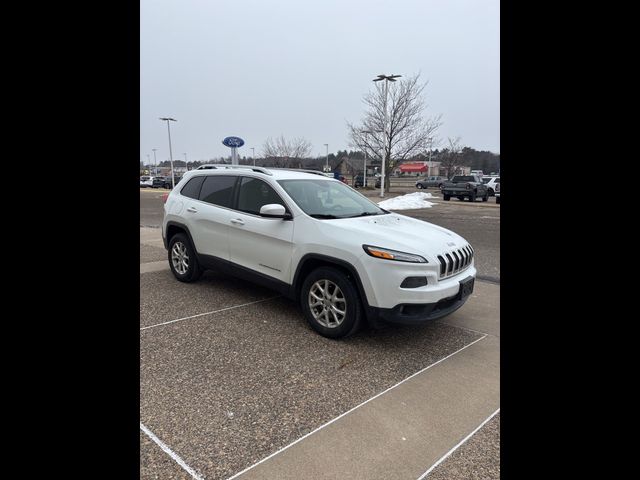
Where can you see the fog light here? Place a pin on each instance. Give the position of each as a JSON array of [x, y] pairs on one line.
[[413, 282]]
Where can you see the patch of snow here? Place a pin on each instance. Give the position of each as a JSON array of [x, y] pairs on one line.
[[408, 201]]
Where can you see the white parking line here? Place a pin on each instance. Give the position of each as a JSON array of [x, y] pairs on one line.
[[457, 446], [354, 408], [171, 453], [209, 313]]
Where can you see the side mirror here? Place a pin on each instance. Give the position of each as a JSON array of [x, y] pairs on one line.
[[274, 210]]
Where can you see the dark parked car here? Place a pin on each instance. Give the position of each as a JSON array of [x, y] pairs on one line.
[[358, 181], [158, 182], [167, 181], [433, 181], [378, 182]]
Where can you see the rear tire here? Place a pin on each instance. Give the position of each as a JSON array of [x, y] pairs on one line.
[[472, 197], [331, 303], [446, 197], [419, 186], [486, 197], [182, 259]]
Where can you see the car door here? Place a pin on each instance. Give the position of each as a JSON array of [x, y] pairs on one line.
[[208, 216], [264, 245]]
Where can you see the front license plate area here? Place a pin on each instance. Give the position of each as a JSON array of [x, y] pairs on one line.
[[466, 287]]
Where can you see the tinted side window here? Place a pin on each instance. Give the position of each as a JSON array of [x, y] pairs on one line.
[[498, 180], [217, 189], [254, 194], [192, 188]]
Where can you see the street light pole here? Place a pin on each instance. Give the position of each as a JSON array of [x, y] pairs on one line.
[[253, 155], [366, 141], [387, 79], [149, 160], [326, 167], [155, 163], [430, 163], [169, 119]]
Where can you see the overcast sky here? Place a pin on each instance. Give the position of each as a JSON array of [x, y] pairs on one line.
[[260, 68]]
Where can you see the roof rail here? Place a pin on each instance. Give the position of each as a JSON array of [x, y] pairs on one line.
[[211, 166], [316, 172]]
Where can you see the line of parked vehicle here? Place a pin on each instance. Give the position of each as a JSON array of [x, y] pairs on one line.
[[157, 182], [464, 186]]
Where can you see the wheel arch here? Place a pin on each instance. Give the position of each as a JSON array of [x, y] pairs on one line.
[[173, 228], [311, 261]]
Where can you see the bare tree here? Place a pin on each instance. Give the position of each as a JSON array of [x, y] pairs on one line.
[[409, 132], [451, 157], [284, 153]]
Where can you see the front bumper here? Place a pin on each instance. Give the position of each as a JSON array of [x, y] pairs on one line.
[[417, 313]]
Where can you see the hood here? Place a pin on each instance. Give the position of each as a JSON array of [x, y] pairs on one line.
[[399, 232]]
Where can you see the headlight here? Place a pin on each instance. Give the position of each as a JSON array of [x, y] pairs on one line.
[[387, 254]]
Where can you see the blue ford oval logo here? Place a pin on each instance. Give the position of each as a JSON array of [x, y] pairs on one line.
[[232, 142]]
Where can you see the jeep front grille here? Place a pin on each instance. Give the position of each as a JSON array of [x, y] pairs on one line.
[[455, 261]]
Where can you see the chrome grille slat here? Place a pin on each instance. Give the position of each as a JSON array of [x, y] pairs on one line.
[[455, 261]]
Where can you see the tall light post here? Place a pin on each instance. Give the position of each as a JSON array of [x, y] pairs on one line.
[[149, 161], [169, 119], [185, 162], [326, 167], [155, 163], [430, 164], [366, 141], [387, 79], [253, 155]]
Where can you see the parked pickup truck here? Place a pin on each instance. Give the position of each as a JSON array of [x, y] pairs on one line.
[[462, 186]]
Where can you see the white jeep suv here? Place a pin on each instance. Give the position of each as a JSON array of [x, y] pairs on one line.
[[317, 241]]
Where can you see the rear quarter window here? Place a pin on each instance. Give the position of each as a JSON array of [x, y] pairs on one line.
[[217, 190], [192, 188]]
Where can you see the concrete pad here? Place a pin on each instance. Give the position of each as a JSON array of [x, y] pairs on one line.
[[163, 298], [149, 253], [151, 236], [225, 391], [400, 434], [481, 312], [157, 266]]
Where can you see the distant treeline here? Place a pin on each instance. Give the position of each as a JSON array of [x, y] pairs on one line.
[[476, 159]]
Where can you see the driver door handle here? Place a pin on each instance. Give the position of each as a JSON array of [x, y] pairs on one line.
[[192, 210], [237, 221]]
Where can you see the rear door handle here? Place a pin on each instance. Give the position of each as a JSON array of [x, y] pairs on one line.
[[237, 221], [192, 210]]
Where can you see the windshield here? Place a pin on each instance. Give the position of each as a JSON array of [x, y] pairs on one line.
[[325, 199]]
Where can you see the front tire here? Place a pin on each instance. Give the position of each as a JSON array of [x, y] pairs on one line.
[[486, 197], [331, 303], [419, 186], [182, 259], [472, 197], [446, 197]]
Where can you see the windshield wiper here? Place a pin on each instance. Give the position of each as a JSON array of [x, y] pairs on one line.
[[366, 214], [323, 215]]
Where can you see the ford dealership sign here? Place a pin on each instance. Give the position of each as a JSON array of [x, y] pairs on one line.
[[233, 142]]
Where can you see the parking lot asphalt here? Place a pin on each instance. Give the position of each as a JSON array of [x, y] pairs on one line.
[[477, 459], [235, 384]]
